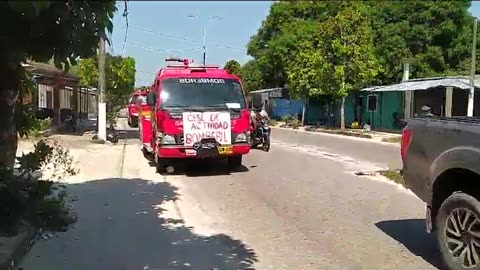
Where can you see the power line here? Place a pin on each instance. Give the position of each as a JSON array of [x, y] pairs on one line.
[[125, 14], [186, 39], [160, 50]]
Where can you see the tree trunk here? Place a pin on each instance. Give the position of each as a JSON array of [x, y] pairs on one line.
[[9, 89], [342, 114], [304, 110]]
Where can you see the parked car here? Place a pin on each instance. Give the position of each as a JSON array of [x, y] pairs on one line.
[[441, 165]]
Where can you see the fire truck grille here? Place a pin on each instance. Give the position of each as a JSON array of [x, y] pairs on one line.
[[180, 140]]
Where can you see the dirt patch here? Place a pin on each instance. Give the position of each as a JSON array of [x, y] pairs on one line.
[[392, 139], [393, 175]]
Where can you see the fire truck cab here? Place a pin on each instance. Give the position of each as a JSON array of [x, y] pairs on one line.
[[138, 99], [196, 111]]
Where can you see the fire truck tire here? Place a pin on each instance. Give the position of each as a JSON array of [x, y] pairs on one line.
[[234, 162], [159, 165]]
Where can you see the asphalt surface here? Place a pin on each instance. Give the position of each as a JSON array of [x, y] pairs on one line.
[[299, 206]]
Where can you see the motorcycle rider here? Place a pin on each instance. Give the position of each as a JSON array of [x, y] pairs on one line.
[[256, 116]]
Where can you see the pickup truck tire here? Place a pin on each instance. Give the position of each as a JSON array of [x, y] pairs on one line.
[[234, 162], [458, 231]]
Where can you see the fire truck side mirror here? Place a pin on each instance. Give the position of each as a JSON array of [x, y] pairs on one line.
[[151, 99]]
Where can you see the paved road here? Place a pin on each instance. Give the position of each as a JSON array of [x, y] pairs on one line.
[[382, 154], [295, 207]]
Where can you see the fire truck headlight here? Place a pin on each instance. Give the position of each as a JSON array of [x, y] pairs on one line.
[[168, 139], [242, 137]]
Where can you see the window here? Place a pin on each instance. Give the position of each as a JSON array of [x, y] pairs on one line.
[[198, 92], [372, 102]]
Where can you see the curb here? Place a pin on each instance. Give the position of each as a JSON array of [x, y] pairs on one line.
[[21, 249], [338, 135]]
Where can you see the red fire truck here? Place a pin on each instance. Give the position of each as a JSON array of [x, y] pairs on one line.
[[195, 111], [138, 98]]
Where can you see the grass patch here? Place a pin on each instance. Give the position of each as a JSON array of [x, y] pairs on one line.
[[394, 175], [392, 139], [96, 140]]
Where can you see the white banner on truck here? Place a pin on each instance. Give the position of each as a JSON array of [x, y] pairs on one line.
[[200, 125]]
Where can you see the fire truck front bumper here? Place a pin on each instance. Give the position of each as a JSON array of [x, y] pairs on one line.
[[180, 151]]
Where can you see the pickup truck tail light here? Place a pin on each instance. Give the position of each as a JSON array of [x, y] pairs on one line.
[[405, 143]]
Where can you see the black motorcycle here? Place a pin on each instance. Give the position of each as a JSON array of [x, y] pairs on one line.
[[261, 136]]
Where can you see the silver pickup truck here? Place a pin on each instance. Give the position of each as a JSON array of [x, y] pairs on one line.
[[441, 165]]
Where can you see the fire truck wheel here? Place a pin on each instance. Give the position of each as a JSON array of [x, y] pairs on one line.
[[234, 162], [159, 165]]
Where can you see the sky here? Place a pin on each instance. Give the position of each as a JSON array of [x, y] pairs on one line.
[[160, 29]]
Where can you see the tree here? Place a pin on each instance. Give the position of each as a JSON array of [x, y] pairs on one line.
[[435, 37], [288, 24], [251, 76], [44, 30], [119, 77], [342, 61], [347, 42], [232, 67]]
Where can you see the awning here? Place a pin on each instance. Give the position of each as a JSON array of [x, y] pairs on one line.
[[460, 82]]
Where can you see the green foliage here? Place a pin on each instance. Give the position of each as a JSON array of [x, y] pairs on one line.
[[120, 80], [24, 115], [232, 67], [308, 74], [58, 30], [434, 37], [38, 126], [347, 46], [288, 24], [61, 31], [287, 118], [251, 76], [26, 195], [339, 62]]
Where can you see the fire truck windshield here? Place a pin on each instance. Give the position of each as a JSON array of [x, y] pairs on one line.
[[200, 92]]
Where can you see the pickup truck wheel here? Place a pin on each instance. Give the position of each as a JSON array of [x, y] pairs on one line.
[[458, 231], [234, 162]]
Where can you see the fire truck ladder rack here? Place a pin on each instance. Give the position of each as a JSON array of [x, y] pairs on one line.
[[188, 64], [194, 66]]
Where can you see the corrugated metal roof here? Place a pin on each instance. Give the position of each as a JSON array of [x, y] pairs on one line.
[[461, 82], [265, 90]]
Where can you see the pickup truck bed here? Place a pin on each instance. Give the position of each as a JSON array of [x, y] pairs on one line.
[[441, 165]]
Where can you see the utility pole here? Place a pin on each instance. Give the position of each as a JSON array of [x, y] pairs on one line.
[[408, 94], [205, 21], [471, 96], [205, 44], [102, 110]]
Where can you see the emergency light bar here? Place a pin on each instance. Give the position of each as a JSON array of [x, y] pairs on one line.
[[188, 64], [194, 66]]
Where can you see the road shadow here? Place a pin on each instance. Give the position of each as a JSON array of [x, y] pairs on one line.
[[411, 233], [83, 127], [123, 224], [128, 134], [199, 168]]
